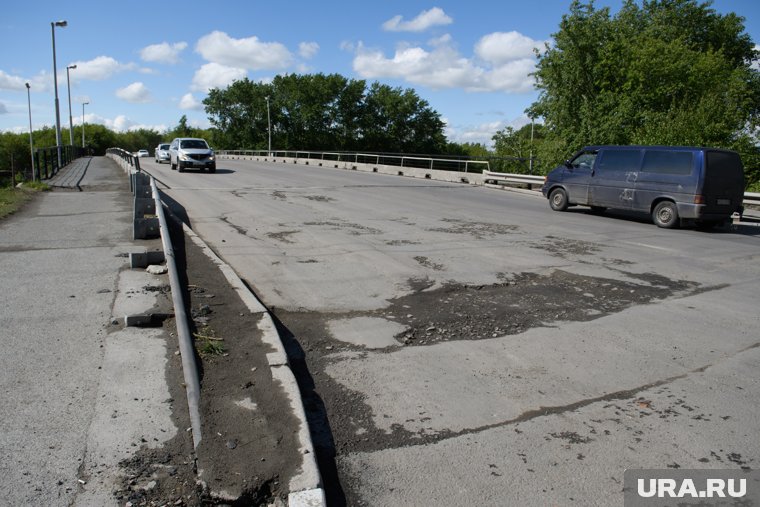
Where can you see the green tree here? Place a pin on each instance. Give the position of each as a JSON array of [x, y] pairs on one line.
[[239, 115], [397, 120], [514, 149], [471, 150], [323, 112], [670, 72], [14, 153]]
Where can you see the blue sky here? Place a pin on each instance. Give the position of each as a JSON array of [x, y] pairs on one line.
[[145, 64]]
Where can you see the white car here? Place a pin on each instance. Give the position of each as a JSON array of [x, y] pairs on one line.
[[142, 153], [187, 152], [162, 153]]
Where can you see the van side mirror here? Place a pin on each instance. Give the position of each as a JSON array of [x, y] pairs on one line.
[[568, 164]]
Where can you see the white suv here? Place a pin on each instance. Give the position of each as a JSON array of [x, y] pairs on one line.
[[185, 152]]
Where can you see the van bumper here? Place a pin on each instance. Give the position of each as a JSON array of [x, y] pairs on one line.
[[700, 212]]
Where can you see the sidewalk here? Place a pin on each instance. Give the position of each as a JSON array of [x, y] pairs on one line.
[[78, 391]]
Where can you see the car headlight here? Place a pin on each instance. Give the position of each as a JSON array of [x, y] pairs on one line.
[[183, 156]]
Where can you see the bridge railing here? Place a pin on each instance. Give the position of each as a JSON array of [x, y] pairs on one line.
[[399, 160], [46, 159]]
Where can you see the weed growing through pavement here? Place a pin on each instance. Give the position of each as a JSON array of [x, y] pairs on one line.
[[207, 343]]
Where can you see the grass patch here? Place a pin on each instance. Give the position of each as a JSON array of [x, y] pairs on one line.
[[12, 198], [207, 343]]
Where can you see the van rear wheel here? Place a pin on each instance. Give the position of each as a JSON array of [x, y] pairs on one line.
[[558, 199], [665, 215]]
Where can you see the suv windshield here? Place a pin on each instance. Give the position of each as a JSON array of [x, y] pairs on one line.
[[163, 146], [197, 144]]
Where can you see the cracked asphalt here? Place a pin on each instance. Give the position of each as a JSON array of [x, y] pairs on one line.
[[459, 345]]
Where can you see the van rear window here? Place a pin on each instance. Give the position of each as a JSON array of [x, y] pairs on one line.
[[668, 162], [724, 168]]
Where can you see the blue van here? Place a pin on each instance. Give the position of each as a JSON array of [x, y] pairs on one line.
[[675, 185]]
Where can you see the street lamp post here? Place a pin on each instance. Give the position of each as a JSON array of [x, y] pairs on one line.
[[269, 128], [71, 123], [83, 104], [531, 146], [31, 139], [53, 24]]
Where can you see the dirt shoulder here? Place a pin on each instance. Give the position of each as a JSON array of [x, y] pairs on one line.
[[248, 450]]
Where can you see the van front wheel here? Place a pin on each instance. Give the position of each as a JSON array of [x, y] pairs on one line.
[[558, 199], [665, 215]]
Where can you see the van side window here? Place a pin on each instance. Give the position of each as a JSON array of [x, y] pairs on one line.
[[619, 160], [668, 162]]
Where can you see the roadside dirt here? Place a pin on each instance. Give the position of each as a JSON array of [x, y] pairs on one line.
[[247, 453]]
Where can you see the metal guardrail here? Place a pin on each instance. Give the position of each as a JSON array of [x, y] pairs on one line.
[[125, 156], [399, 160], [528, 179], [143, 185]]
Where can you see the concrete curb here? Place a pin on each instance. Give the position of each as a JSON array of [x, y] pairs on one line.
[[305, 488]]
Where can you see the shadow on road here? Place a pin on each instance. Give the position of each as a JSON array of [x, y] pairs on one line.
[[316, 414]]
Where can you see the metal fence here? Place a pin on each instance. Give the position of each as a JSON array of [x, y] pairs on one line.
[[46, 159], [456, 164]]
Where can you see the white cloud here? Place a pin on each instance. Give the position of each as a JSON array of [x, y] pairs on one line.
[[484, 132], [123, 124], [99, 68], [307, 50], [423, 21], [41, 82], [443, 40], [503, 63], [215, 75], [3, 109], [163, 53], [136, 92], [8, 82], [189, 102], [501, 47], [250, 54]]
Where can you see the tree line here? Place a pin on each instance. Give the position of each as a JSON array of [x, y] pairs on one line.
[[669, 72], [324, 112]]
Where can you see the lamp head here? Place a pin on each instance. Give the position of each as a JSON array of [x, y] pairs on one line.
[[27, 86], [72, 66], [61, 23]]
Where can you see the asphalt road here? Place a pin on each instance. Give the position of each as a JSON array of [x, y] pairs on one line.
[[470, 346]]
